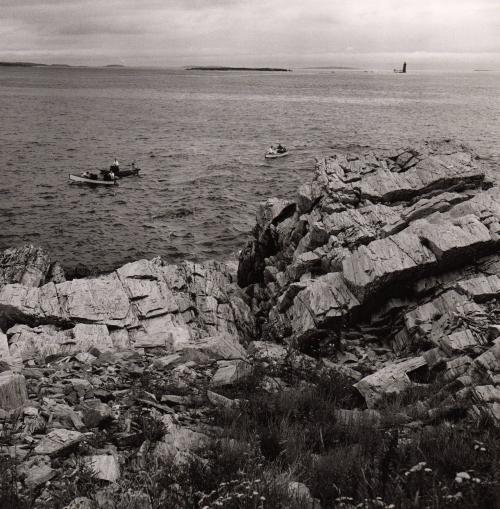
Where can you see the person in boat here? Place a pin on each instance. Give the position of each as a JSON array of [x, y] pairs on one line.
[[281, 149], [88, 175], [115, 167], [109, 175]]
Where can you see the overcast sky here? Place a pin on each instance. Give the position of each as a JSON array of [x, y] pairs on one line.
[[461, 33]]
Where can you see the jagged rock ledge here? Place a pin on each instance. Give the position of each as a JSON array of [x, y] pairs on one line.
[[393, 252]]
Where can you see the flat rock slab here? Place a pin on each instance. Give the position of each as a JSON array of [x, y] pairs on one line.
[[481, 288], [384, 262], [221, 401], [58, 441], [353, 227], [378, 178], [458, 342], [104, 466], [165, 331], [221, 347], [231, 372], [439, 171], [100, 300], [448, 239], [37, 471], [30, 343], [390, 380]]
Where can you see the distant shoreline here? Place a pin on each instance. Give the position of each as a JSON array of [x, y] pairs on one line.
[[223, 68]]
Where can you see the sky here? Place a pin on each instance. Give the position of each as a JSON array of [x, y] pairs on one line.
[[290, 33]]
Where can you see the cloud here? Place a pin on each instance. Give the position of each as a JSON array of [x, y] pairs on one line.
[[167, 32]]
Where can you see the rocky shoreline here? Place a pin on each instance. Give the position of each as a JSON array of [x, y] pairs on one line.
[[401, 245], [382, 277]]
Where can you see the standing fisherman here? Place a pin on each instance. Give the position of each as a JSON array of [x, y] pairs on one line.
[[115, 167]]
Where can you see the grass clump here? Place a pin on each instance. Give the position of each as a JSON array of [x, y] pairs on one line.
[[224, 474], [384, 463]]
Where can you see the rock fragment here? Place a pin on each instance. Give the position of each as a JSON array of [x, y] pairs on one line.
[[389, 381], [58, 441], [104, 466], [231, 372]]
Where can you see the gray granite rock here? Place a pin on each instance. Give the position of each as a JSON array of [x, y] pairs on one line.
[[389, 381], [27, 265], [325, 300], [58, 441]]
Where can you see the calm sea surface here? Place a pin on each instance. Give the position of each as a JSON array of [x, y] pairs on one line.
[[199, 138]]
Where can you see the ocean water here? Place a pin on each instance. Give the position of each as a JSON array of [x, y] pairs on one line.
[[200, 137]]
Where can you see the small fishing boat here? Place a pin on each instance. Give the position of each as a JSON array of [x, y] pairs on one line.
[[92, 180], [275, 152], [128, 173], [122, 173]]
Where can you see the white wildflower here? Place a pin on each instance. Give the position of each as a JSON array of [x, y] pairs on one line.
[[462, 476]]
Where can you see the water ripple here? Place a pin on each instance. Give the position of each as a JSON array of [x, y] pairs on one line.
[[200, 144]]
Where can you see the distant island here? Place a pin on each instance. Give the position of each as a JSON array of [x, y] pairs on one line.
[[336, 67], [21, 64], [35, 64], [222, 68]]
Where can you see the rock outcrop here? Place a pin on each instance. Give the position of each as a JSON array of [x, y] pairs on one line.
[[394, 250], [144, 304]]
